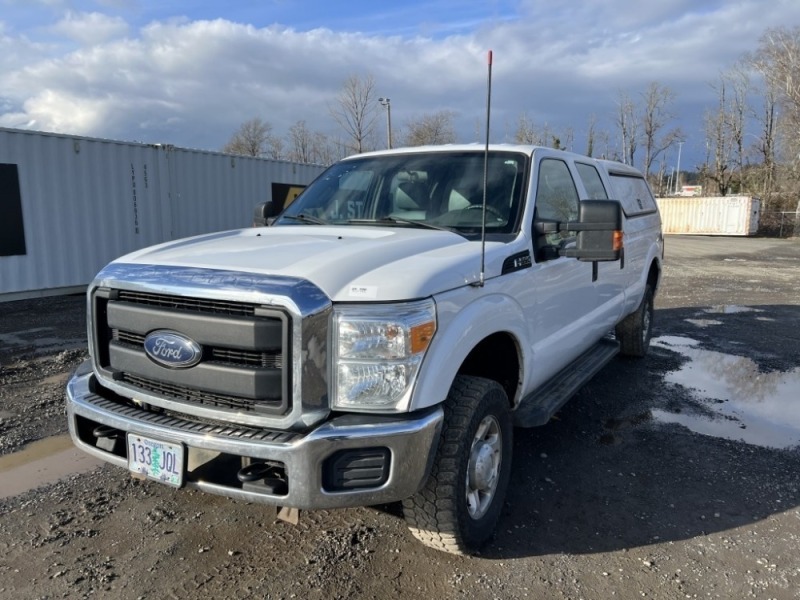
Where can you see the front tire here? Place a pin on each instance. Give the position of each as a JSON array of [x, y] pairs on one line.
[[458, 508]]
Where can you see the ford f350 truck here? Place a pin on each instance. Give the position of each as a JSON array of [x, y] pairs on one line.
[[378, 339]]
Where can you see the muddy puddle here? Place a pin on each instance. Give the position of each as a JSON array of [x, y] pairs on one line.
[[742, 402], [42, 462], [39, 340]]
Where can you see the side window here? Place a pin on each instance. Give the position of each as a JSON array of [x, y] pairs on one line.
[[634, 194], [556, 198], [592, 182]]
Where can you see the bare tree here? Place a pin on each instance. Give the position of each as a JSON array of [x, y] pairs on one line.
[[301, 143], [590, 135], [739, 84], [655, 116], [329, 150], [628, 125], [766, 147], [526, 132], [777, 60], [719, 141], [569, 138], [355, 110], [253, 138], [312, 147], [603, 141], [433, 128]]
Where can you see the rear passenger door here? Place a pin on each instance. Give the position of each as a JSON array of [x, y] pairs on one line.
[[564, 293], [611, 276]]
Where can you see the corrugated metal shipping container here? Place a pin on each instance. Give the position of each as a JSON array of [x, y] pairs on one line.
[[71, 204], [721, 215]]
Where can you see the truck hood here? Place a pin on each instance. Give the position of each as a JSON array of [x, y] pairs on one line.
[[353, 263]]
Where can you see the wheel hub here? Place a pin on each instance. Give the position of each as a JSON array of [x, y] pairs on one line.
[[482, 469]]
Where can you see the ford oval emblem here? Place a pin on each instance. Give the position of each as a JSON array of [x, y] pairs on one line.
[[172, 349]]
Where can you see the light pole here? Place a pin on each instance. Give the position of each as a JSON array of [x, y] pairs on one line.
[[387, 103], [678, 172]]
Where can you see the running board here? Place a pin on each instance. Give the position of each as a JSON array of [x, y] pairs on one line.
[[537, 408]]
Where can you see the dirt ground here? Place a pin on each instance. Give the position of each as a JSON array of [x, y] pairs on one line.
[[618, 496]]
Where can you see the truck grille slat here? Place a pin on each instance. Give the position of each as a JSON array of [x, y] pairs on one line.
[[224, 307], [187, 394], [216, 354]]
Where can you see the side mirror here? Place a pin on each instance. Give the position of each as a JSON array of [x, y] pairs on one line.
[[265, 213], [599, 230]]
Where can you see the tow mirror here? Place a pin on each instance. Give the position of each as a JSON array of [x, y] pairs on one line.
[[599, 230], [265, 213]]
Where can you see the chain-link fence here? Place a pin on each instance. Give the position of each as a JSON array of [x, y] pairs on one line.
[[779, 224]]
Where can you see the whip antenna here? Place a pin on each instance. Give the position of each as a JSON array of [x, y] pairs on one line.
[[485, 173]]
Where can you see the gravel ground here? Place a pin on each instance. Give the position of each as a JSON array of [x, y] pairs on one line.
[[607, 500]]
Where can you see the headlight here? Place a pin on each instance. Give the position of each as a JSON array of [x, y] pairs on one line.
[[378, 351]]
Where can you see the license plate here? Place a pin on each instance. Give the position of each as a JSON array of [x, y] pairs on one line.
[[156, 459]]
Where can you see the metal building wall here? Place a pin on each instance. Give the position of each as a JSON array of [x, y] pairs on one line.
[[214, 192], [87, 201]]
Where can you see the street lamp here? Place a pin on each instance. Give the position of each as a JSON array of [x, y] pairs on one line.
[[387, 103]]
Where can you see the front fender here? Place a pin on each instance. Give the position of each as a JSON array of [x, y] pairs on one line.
[[463, 322]]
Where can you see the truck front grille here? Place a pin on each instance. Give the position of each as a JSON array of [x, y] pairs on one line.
[[245, 349]]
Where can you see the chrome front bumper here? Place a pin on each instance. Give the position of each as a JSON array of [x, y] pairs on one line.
[[410, 440]]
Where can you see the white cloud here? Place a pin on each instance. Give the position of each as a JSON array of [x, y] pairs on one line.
[[192, 83], [90, 28]]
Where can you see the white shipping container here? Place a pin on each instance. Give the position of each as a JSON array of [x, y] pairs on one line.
[[70, 204], [718, 215]]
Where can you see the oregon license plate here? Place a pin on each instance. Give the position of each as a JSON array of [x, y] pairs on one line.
[[156, 459]]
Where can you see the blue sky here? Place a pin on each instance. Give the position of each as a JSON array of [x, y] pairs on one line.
[[188, 73], [435, 18]]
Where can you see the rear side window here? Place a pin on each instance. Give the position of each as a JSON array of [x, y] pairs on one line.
[[633, 193], [592, 182]]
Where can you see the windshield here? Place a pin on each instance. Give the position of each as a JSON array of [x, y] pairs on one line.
[[434, 189]]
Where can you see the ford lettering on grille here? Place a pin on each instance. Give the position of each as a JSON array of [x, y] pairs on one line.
[[172, 349]]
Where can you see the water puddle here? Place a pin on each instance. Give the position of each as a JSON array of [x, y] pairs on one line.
[[703, 323], [758, 408], [730, 309], [41, 462]]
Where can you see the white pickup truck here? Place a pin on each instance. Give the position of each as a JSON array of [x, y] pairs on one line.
[[379, 339]]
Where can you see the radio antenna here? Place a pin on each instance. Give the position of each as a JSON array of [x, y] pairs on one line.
[[485, 174]]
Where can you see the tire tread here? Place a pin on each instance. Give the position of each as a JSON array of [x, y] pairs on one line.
[[432, 513]]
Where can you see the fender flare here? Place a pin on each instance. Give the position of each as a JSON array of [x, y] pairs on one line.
[[457, 335]]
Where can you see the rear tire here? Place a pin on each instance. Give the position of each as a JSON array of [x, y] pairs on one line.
[[458, 508], [635, 330]]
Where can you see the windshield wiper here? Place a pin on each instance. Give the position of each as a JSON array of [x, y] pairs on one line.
[[396, 221], [304, 218]]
